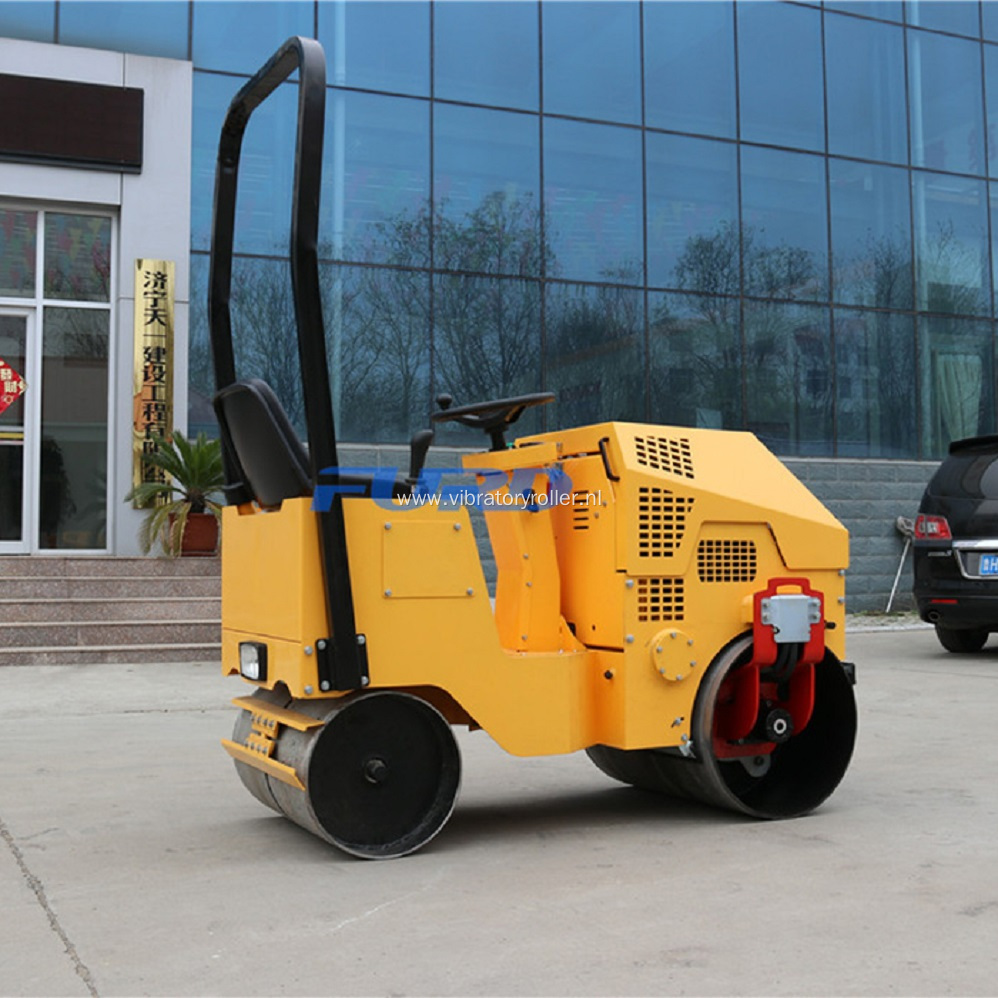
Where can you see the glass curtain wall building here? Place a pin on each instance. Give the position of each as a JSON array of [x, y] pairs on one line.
[[771, 216]]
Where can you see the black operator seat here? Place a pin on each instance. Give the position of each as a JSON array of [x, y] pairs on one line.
[[272, 463]]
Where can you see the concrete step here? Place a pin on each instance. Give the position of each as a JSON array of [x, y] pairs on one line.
[[55, 610], [92, 633], [108, 587], [52, 566], [97, 654], [92, 609]]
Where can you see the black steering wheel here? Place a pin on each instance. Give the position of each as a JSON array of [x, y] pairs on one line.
[[492, 417]]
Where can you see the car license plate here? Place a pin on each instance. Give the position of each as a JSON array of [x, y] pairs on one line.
[[989, 564]]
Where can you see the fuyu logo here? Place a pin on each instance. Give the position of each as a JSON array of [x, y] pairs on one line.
[[487, 488]]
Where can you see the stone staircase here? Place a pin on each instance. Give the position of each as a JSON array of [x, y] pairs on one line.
[[77, 610]]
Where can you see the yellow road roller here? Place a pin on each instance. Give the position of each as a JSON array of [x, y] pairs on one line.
[[668, 599]]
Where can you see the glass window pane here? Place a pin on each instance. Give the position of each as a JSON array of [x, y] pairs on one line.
[[784, 229], [375, 178], [77, 257], [871, 235], [13, 354], [264, 334], [779, 73], [690, 41], [592, 201], [18, 233], [695, 361], [594, 354], [486, 53], [378, 344], [991, 99], [32, 21], [947, 116], [788, 377], [486, 344], [592, 59], [225, 37], [959, 16], [866, 92], [875, 385], [266, 171], [989, 21], [487, 181], [951, 245], [692, 214], [158, 29], [993, 199], [957, 375], [377, 46], [200, 372], [889, 10], [73, 486]]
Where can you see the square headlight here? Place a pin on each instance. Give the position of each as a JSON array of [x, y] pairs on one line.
[[253, 660]]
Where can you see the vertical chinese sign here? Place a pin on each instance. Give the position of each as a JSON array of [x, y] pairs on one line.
[[153, 378]]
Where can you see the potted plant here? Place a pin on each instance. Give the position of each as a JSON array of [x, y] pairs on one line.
[[183, 510]]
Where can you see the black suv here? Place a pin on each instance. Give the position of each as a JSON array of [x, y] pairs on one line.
[[956, 546]]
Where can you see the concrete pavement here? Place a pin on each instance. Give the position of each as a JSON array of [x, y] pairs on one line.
[[133, 862]]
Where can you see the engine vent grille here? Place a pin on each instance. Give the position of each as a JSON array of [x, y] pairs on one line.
[[663, 454], [661, 521], [580, 510], [726, 561], [660, 600]]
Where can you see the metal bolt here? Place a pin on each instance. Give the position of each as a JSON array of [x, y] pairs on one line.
[[629, 639], [674, 634], [523, 637], [842, 599], [530, 585], [457, 526], [388, 526], [388, 592], [679, 676], [690, 642], [324, 685], [470, 591], [629, 583], [677, 722], [308, 649], [321, 645], [308, 691], [658, 649], [608, 674], [361, 639], [693, 664], [364, 681]]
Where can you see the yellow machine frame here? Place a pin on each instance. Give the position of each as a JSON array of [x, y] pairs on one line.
[[608, 607]]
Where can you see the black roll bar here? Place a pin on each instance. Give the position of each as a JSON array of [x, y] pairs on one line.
[[342, 660]]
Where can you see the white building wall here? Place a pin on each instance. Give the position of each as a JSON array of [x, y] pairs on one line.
[[153, 210]]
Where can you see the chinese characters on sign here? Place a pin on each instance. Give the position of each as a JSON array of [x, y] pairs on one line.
[[12, 385], [153, 381]]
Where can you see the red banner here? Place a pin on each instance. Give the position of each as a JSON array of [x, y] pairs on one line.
[[12, 385]]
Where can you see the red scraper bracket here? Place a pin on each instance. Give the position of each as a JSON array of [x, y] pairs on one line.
[[771, 695]]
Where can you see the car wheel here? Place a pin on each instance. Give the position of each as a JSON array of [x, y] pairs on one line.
[[962, 640]]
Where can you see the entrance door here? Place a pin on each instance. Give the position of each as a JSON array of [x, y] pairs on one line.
[[16, 432]]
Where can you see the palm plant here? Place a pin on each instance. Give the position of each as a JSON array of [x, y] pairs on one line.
[[193, 484]]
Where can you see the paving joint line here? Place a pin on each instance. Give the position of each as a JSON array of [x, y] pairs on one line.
[[37, 888]]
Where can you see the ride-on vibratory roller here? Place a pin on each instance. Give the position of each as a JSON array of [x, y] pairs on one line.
[[670, 600]]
